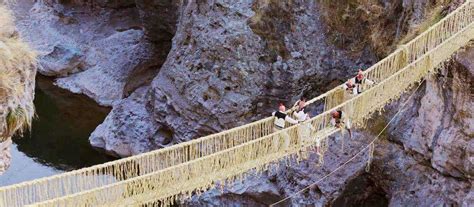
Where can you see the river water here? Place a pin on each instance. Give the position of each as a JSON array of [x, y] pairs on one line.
[[58, 141]]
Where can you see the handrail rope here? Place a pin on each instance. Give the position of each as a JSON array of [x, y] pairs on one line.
[[355, 156]]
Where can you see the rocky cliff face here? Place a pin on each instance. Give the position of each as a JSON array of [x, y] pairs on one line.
[[441, 127], [230, 64], [428, 158]]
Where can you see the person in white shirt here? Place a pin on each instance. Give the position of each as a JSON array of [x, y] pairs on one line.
[[279, 123], [304, 131], [358, 83], [299, 112], [340, 120], [350, 87], [281, 118]]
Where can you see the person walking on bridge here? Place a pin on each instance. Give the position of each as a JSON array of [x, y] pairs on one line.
[[304, 131], [350, 87], [340, 120], [358, 83], [279, 123], [299, 113]]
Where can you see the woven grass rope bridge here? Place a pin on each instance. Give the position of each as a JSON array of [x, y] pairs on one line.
[[175, 173]]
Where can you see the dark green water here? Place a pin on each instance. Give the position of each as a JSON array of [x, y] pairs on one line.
[[59, 138]]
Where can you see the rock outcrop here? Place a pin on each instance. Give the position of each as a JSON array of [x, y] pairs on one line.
[[408, 181], [440, 127]]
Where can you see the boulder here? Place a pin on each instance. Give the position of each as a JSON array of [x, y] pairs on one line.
[[62, 61]]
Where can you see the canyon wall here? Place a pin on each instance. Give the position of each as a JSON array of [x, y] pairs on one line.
[[173, 71]]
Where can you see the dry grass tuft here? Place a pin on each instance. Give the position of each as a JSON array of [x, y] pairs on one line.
[[17, 73], [354, 24]]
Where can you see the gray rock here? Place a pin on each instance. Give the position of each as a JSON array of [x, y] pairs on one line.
[[254, 191], [134, 110], [295, 55], [5, 156], [93, 53], [409, 182], [62, 61], [440, 127], [105, 79]]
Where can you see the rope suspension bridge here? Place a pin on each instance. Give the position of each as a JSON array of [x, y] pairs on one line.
[[167, 175]]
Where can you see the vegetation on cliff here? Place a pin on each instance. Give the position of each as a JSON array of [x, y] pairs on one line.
[[381, 25], [17, 72]]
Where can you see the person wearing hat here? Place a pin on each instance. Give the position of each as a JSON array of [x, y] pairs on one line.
[[357, 84], [340, 120]]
